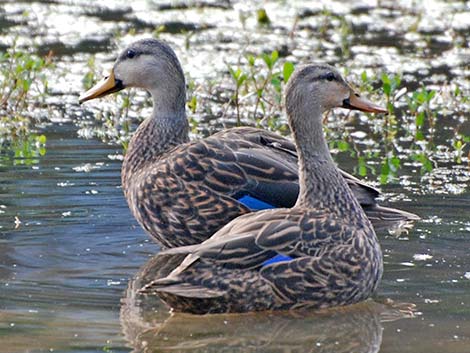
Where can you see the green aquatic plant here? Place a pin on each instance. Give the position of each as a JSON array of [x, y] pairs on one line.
[[459, 148], [389, 168], [89, 78], [259, 88], [403, 137], [18, 141], [366, 82], [23, 82], [420, 107], [459, 95], [390, 85], [239, 78], [261, 80], [23, 87]]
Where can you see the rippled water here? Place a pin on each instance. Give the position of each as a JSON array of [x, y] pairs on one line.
[[70, 248]]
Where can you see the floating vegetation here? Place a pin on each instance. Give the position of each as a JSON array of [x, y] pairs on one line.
[[23, 87]]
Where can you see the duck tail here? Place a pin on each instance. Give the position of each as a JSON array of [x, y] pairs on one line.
[[186, 297], [387, 218]]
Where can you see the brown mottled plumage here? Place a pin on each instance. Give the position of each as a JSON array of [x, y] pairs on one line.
[[182, 192], [331, 255]]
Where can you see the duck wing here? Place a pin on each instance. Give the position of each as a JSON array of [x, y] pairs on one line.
[[285, 151], [269, 164], [260, 239], [307, 254]]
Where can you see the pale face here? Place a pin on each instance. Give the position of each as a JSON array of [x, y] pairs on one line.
[[321, 87], [325, 86], [149, 64]]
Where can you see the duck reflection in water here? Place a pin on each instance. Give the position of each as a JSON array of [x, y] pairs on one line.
[[149, 327]]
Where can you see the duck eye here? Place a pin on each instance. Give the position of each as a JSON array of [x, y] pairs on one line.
[[130, 54], [330, 76]]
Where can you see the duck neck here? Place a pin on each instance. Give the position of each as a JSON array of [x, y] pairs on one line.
[[166, 128], [321, 185]]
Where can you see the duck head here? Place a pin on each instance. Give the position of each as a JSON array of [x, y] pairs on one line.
[[320, 87], [149, 64]]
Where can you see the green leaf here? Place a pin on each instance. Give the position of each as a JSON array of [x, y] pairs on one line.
[[362, 171], [419, 119], [385, 78], [395, 162], [267, 60], [287, 70], [234, 73], [431, 95], [364, 76], [192, 104], [276, 82], [42, 139], [426, 163], [396, 81], [387, 85], [26, 85], [241, 79], [419, 136], [274, 56], [458, 144], [387, 88], [422, 97], [343, 146], [385, 170]]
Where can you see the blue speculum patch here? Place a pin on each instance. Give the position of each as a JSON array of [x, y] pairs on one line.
[[254, 204], [277, 258]]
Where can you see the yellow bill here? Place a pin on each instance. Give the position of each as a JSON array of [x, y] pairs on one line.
[[104, 87]]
